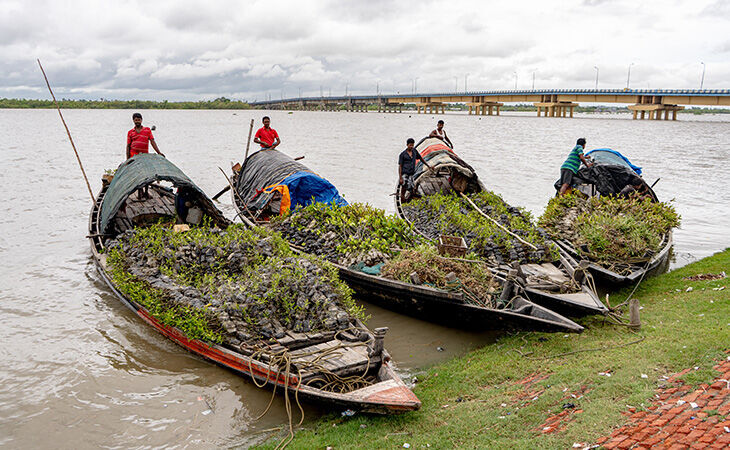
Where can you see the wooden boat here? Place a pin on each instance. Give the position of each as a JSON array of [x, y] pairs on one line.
[[450, 308], [610, 173], [545, 283], [114, 212]]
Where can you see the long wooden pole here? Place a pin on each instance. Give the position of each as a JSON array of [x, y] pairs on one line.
[[248, 142], [83, 172]]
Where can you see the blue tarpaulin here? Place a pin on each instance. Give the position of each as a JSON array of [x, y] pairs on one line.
[[600, 156], [306, 188]]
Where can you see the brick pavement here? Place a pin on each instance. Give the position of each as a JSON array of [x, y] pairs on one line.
[[681, 418]]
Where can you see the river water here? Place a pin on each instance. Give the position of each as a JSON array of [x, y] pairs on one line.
[[79, 370]]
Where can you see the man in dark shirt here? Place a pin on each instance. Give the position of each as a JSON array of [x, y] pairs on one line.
[[407, 167]]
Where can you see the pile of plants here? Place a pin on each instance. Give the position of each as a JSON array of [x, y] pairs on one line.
[[610, 229], [359, 235], [472, 278], [451, 214], [346, 235], [229, 286]]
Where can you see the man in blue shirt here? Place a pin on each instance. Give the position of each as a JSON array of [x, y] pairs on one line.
[[571, 165]]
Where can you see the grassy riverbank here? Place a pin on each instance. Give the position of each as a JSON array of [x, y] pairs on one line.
[[502, 395]]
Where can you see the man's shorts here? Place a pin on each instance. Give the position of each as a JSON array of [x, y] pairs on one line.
[[566, 176]]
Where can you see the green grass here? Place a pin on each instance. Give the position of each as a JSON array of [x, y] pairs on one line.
[[680, 329]]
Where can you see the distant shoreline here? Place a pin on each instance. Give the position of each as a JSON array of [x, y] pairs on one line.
[[227, 104]]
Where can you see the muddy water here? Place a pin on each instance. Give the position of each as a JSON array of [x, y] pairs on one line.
[[77, 369]]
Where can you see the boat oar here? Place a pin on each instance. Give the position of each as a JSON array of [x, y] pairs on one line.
[[654, 183], [83, 172], [223, 191]]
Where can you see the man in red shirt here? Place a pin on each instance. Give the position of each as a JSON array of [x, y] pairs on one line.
[[266, 136], [139, 138]]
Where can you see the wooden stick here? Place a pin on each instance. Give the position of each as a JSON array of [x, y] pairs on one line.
[[248, 143], [230, 184], [83, 172], [495, 222]]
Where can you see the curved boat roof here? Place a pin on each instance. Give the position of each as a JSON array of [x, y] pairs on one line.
[[612, 157], [140, 171]]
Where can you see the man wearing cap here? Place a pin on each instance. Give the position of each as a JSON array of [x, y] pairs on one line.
[[571, 165], [139, 138]]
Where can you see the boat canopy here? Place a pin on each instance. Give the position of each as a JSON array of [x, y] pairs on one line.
[[268, 172], [606, 156], [142, 170]]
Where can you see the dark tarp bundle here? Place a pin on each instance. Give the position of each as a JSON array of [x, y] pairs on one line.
[[269, 171], [142, 170], [606, 156]]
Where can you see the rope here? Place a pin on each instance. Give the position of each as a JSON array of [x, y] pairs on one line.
[[585, 350], [331, 382], [497, 223]]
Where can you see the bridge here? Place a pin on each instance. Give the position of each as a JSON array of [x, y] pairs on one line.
[[644, 103]]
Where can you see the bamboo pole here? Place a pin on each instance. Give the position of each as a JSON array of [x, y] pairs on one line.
[[81, 166], [495, 222], [248, 143]]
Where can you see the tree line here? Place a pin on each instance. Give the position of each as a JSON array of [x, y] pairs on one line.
[[218, 103]]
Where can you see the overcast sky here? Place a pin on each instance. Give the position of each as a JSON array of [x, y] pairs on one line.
[[187, 50]]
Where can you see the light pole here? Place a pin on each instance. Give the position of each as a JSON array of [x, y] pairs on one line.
[[702, 80], [456, 84], [628, 77], [515, 80], [465, 78], [347, 87], [415, 86], [377, 88], [300, 93], [596, 67], [533, 79]]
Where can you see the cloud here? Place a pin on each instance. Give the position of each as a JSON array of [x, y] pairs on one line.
[[187, 50]]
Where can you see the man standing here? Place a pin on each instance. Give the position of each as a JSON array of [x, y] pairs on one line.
[[139, 138], [571, 165], [407, 167], [440, 133], [266, 136]]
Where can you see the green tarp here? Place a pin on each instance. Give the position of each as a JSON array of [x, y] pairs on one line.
[[142, 170]]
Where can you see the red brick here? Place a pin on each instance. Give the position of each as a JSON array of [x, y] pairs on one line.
[[628, 443], [707, 438], [678, 409], [654, 440], [699, 445], [692, 397], [713, 404], [616, 440], [639, 415], [659, 422], [685, 429], [600, 441], [677, 447], [671, 429], [724, 409]]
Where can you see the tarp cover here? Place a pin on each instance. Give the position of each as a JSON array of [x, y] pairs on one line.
[[606, 156], [437, 154], [138, 172], [269, 171]]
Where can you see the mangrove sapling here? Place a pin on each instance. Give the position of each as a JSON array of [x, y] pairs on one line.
[[609, 229], [233, 286], [450, 214]]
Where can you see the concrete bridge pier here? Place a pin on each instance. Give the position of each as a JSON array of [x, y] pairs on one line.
[[484, 108], [431, 107], [653, 106], [555, 109]]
